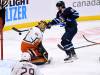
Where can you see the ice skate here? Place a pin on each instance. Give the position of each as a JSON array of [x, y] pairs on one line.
[[74, 57], [68, 60], [49, 60]]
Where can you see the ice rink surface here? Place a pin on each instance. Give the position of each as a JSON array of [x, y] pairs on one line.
[[88, 57]]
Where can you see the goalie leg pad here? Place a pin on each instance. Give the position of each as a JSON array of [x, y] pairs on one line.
[[25, 46]]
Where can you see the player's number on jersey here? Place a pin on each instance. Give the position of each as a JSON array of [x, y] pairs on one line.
[[25, 70]]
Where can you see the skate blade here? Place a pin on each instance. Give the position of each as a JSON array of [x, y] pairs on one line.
[[71, 60], [68, 61]]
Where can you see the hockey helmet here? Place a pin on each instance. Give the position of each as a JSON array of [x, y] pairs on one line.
[[60, 4], [26, 56], [42, 25]]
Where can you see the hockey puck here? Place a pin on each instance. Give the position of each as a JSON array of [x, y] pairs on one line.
[[20, 33]]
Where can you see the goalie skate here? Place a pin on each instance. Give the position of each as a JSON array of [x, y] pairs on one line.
[[49, 60]]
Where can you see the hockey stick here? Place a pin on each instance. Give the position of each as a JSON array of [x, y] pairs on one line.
[[93, 43], [90, 40], [59, 46], [19, 31]]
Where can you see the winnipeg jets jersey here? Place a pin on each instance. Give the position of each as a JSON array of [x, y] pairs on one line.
[[33, 34], [25, 68]]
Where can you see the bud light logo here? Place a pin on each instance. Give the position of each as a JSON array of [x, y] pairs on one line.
[[16, 10]]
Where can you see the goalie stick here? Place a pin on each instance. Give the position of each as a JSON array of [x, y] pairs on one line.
[[19, 31], [92, 43]]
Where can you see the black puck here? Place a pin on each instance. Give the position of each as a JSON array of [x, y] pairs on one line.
[[20, 33]]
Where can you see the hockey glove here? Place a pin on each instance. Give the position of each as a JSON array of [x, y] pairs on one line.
[[48, 25]]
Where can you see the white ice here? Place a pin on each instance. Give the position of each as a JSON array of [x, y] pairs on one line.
[[88, 57]]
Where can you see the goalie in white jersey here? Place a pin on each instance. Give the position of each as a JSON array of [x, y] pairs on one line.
[[32, 43], [25, 67]]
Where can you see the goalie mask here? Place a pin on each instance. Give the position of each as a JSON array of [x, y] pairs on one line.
[[42, 25], [26, 56]]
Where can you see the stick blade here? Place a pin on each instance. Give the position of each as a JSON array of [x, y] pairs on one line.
[[15, 29]]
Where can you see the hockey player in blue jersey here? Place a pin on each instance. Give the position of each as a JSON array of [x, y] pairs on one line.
[[66, 17]]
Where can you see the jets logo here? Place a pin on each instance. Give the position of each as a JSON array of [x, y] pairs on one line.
[[3, 3]]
